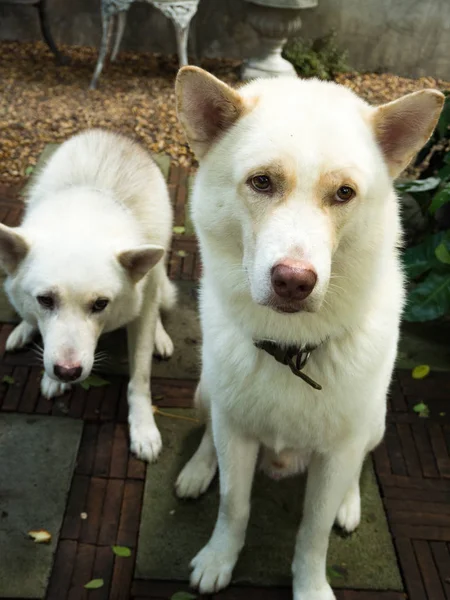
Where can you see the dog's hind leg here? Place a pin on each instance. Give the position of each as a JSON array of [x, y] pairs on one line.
[[145, 438], [198, 473], [349, 513], [163, 343], [167, 295], [20, 336]]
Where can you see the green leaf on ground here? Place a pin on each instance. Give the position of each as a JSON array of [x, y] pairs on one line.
[[422, 409], [333, 573], [29, 170], [122, 551], [183, 596], [8, 379], [420, 371], [93, 381], [94, 584], [179, 229]]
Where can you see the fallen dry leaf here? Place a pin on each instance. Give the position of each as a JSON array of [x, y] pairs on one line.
[[40, 536]]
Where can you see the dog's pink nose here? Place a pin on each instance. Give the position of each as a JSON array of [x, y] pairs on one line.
[[67, 372], [293, 279]]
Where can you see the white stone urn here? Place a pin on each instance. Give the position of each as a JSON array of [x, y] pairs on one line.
[[274, 21]]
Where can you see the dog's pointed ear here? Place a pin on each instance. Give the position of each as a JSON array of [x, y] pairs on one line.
[[403, 126], [13, 249], [138, 261], [206, 107]]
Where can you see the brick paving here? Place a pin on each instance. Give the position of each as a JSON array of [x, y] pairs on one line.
[[412, 467]]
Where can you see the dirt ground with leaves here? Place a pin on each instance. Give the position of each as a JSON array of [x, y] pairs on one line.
[[41, 102]]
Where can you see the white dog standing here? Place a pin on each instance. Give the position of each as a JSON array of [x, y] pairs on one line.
[[299, 232], [86, 260]]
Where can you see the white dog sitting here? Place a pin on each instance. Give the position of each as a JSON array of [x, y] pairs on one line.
[[86, 260], [301, 296]]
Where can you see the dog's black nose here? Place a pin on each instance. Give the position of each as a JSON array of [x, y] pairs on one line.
[[67, 373]]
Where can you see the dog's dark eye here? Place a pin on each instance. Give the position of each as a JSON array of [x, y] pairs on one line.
[[100, 304], [261, 183], [345, 193], [47, 302]]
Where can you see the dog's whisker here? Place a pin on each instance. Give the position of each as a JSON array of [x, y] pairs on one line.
[[102, 361]]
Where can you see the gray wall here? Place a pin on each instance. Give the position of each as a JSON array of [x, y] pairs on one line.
[[407, 37]]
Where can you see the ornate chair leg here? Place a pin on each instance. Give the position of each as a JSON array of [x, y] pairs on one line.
[[180, 13], [182, 34], [107, 28], [121, 22], [47, 35]]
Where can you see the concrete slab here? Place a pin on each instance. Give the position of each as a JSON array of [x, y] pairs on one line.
[[173, 531], [37, 458]]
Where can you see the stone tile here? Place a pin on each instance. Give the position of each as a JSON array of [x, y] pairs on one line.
[[37, 459], [173, 531]]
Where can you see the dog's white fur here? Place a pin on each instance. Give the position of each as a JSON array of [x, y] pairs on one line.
[[97, 222], [308, 136]]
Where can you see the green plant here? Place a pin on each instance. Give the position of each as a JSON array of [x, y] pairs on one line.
[[321, 58], [427, 263]]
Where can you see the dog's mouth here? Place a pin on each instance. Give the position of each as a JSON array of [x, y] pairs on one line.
[[288, 308]]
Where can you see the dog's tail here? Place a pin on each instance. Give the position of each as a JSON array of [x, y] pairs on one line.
[[168, 294]]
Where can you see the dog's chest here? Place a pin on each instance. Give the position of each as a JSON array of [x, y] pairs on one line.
[[266, 400]]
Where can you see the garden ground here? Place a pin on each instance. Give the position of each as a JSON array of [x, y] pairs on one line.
[[83, 484]]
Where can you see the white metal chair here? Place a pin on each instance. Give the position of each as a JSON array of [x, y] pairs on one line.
[[114, 12]]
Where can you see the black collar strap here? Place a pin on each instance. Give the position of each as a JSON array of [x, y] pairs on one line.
[[294, 357]]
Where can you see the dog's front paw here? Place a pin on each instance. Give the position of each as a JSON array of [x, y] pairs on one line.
[[145, 438], [196, 476], [349, 514], [324, 593], [51, 388], [19, 337], [212, 569]]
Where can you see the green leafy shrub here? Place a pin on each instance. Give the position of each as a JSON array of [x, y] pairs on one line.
[[428, 262], [321, 58]]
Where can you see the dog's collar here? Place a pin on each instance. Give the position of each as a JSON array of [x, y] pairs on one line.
[[295, 357]]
